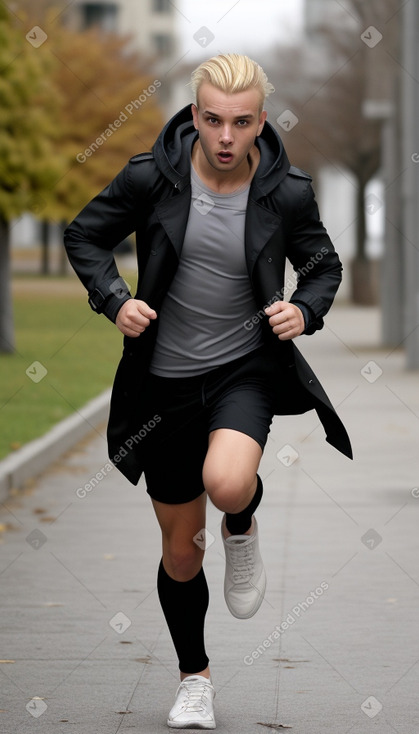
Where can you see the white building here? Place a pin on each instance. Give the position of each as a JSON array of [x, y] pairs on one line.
[[151, 23]]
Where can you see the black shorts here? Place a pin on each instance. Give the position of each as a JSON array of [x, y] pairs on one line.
[[236, 395]]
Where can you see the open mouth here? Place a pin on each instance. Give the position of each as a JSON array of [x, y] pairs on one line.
[[225, 156]]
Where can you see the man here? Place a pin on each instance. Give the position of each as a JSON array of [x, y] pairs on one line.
[[208, 357]]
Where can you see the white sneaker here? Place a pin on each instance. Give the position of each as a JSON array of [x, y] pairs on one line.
[[245, 578], [193, 708]]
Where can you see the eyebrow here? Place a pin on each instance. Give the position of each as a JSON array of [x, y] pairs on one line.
[[246, 116]]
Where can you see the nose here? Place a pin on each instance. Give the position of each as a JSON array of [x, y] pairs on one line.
[[226, 135]]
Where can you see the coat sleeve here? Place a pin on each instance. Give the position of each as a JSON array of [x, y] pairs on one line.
[[90, 238], [315, 261]]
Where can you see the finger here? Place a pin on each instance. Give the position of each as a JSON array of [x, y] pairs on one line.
[[145, 309], [135, 316], [137, 321], [129, 323], [274, 308], [283, 328], [278, 312], [129, 329], [278, 319], [286, 337], [288, 333], [129, 332]]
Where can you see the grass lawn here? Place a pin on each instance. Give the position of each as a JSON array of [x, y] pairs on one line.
[[78, 349]]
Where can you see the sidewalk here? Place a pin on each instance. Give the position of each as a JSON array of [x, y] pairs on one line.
[[334, 648]]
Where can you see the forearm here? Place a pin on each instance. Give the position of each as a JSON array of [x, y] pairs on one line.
[[316, 263], [91, 237], [98, 272]]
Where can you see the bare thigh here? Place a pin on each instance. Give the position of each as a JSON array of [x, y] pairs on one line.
[[230, 468]]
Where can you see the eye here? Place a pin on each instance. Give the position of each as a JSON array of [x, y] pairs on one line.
[[242, 123], [212, 120]]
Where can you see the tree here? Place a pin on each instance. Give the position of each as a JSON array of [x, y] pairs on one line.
[[356, 67], [29, 163], [108, 112], [108, 109]]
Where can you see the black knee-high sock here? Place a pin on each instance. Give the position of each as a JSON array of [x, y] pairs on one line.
[[184, 605], [239, 522]]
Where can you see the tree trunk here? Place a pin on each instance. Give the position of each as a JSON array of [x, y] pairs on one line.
[[45, 267], [7, 339], [361, 229], [63, 264], [365, 281], [364, 272]]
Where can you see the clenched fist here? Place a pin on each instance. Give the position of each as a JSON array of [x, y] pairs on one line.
[[286, 320], [133, 317]]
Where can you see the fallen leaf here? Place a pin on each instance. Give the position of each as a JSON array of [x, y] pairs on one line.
[[39, 511], [7, 661], [5, 526], [123, 712], [47, 518], [125, 642], [147, 659]]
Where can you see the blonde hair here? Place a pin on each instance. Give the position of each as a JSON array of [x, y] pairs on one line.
[[231, 73]]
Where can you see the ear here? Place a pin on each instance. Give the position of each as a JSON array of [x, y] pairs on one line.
[[262, 119], [194, 110]]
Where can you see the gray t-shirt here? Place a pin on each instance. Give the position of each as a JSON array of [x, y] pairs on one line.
[[201, 322]]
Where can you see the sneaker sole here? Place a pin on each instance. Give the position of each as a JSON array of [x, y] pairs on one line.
[[191, 725]]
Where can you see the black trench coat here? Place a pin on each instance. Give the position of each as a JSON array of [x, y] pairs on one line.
[[152, 196]]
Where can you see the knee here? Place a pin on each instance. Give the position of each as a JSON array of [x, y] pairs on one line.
[[182, 559], [228, 494]]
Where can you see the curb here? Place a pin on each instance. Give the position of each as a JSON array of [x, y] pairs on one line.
[[35, 456]]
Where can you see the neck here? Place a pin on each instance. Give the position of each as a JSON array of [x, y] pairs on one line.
[[225, 183]]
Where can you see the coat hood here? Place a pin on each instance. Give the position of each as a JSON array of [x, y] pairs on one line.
[[172, 153]]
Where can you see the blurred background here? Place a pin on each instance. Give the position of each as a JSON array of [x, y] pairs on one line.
[[86, 85]]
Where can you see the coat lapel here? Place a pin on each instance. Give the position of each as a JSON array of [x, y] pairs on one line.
[[261, 224], [173, 215]]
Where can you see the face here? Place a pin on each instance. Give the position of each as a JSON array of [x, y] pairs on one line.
[[228, 125]]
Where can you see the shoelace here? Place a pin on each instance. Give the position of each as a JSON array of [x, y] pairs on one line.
[[242, 558], [195, 695]]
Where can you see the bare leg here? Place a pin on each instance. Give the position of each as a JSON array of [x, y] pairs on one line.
[[182, 557], [231, 481], [230, 469]]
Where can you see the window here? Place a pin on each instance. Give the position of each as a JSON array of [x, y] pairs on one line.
[[103, 15], [162, 44], [162, 6]]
